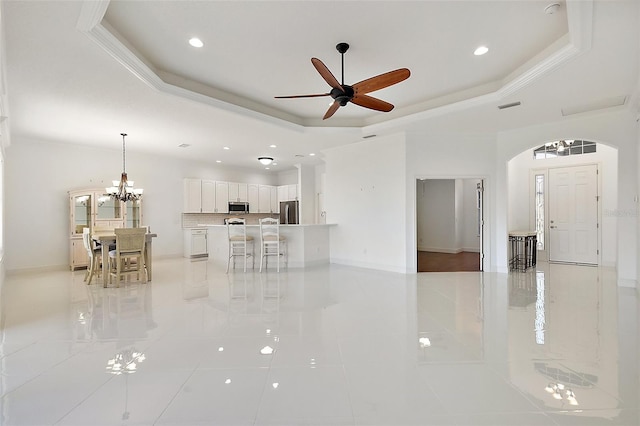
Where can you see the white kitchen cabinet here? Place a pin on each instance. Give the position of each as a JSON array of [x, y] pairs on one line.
[[205, 196], [238, 192], [283, 193], [209, 198], [288, 192], [292, 191], [192, 196], [275, 204], [195, 243], [222, 197], [264, 199], [253, 197]]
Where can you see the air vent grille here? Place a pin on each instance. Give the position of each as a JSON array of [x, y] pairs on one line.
[[512, 104]]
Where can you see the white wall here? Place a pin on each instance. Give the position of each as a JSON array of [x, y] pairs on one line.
[[521, 199], [307, 193], [40, 174], [617, 128], [365, 197], [447, 215], [436, 215]]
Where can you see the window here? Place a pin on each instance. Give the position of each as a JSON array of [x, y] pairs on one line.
[[563, 148], [539, 185]]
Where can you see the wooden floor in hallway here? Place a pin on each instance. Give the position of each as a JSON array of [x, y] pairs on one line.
[[448, 262]]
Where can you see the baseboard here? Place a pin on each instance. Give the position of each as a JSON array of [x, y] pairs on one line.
[[368, 265], [441, 250], [37, 270]]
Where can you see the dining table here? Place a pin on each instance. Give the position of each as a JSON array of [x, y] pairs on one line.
[[107, 238]]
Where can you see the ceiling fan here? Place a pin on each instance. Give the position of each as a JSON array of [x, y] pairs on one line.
[[357, 93]]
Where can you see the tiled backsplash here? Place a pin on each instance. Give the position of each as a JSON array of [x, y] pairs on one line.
[[192, 220]]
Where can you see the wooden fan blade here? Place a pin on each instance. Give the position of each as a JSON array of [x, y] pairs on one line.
[[326, 74], [372, 103], [332, 109], [302, 96], [381, 81]]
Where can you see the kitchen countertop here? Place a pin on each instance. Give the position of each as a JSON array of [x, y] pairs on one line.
[[200, 225]]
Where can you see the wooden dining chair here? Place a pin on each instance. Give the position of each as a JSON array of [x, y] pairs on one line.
[[93, 255], [128, 257]]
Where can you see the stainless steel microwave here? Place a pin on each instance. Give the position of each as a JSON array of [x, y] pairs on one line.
[[238, 207]]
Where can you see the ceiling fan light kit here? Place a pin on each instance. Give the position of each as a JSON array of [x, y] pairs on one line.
[[342, 93]]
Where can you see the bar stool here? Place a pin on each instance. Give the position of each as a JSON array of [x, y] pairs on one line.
[[239, 242], [271, 242]]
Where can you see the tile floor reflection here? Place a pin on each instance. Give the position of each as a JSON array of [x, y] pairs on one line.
[[330, 345]]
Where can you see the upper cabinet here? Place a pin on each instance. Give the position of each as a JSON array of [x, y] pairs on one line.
[[264, 199], [253, 197], [208, 196], [192, 196], [238, 192], [288, 192], [222, 197], [81, 211], [92, 207], [205, 196]]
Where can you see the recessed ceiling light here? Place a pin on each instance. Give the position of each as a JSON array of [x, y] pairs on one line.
[[481, 50], [274, 164], [272, 146], [312, 154], [266, 168], [226, 148], [218, 161], [196, 42]]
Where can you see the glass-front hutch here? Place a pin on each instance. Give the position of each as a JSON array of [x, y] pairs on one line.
[[94, 209]]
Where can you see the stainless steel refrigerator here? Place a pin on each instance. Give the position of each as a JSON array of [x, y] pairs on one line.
[[289, 213]]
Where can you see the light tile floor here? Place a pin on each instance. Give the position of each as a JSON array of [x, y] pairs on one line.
[[330, 345]]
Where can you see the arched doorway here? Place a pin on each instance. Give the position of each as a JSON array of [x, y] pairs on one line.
[[539, 199]]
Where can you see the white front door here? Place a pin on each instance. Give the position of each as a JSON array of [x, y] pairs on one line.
[[573, 214]]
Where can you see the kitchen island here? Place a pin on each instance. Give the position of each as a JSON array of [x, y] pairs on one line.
[[307, 245]]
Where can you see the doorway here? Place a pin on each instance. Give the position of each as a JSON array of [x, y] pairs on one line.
[[449, 225], [576, 191], [573, 214]]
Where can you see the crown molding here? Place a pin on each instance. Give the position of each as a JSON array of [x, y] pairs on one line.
[[576, 42]]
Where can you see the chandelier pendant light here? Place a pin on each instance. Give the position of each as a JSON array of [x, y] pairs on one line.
[[124, 190]]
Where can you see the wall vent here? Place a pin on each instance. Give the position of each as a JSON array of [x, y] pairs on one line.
[[512, 104], [369, 136]]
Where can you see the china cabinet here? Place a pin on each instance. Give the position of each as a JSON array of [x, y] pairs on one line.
[[91, 208]]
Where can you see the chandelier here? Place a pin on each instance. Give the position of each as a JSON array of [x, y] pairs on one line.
[[124, 190]]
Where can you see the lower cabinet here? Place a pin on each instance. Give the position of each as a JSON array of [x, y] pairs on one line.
[[78, 254], [195, 243]]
